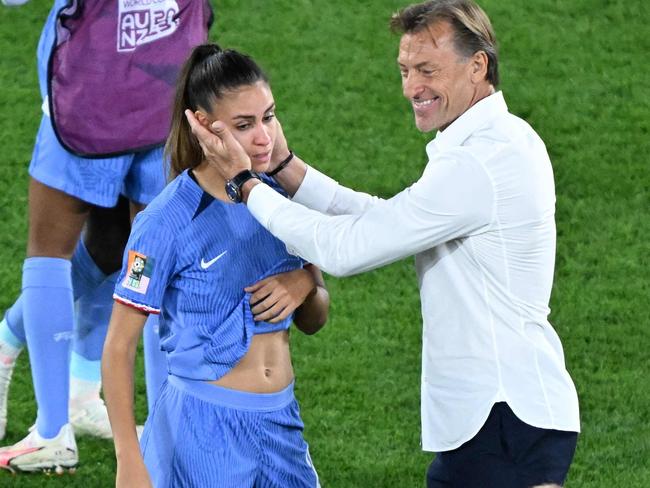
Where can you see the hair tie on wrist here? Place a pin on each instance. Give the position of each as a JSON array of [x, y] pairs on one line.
[[282, 164]]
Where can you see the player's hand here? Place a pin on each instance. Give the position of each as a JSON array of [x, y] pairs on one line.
[[132, 475], [280, 148], [274, 298], [220, 147]]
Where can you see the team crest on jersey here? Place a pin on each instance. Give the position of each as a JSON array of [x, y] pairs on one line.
[[140, 267], [144, 21]]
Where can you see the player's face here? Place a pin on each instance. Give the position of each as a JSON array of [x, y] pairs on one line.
[[249, 112], [435, 79]]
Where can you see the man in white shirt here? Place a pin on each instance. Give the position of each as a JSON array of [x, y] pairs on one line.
[[498, 406]]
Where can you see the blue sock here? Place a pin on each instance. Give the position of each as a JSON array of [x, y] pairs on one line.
[[48, 317], [14, 320], [86, 276], [155, 361]]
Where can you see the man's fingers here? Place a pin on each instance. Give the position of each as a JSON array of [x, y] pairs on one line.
[[219, 128], [202, 134], [195, 125], [220, 148], [223, 133]]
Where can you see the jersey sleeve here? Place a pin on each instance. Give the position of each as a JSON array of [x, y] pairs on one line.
[[148, 263]]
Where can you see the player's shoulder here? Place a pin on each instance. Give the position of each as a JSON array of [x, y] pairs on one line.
[[173, 207]]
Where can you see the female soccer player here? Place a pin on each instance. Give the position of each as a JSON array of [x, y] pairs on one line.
[[226, 291]]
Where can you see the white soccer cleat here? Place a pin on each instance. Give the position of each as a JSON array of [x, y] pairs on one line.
[[34, 453], [5, 379], [90, 418], [6, 370]]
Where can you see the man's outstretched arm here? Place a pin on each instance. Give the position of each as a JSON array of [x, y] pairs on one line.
[[452, 199]]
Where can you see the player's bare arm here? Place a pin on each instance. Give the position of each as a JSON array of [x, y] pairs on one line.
[[118, 361]]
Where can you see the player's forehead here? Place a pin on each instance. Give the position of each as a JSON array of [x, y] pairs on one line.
[[246, 101]]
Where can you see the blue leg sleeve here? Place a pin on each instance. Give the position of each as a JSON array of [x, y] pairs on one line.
[[86, 276], [93, 312]]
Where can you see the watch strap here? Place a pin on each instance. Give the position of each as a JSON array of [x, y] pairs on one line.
[[233, 186]]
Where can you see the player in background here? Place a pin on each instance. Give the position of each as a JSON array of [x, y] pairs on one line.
[[95, 263], [66, 193], [226, 291]]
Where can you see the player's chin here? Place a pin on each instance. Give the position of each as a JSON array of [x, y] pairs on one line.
[[260, 166]]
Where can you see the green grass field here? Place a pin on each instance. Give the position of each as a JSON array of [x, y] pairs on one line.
[[576, 70]]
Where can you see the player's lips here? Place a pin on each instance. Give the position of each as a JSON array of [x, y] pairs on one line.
[[262, 157]]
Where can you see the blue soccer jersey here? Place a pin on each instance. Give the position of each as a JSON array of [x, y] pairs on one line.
[[189, 258]]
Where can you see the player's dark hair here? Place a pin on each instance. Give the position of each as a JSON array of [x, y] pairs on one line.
[[472, 28], [207, 75]]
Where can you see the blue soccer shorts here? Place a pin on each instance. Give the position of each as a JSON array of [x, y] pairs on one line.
[[138, 176], [505, 453], [202, 435]]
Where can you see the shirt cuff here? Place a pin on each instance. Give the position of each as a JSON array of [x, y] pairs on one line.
[[316, 191], [138, 306], [263, 202]]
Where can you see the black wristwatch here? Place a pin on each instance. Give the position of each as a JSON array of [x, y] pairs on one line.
[[233, 186]]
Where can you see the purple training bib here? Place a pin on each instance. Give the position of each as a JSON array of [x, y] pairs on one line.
[[113, 69]]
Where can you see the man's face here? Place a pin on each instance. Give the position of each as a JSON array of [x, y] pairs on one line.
[[435, 78]]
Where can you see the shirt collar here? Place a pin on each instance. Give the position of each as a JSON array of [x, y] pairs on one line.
[[469, 122], [206, 198]]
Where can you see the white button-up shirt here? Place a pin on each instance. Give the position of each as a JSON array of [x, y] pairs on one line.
[[480, 222]]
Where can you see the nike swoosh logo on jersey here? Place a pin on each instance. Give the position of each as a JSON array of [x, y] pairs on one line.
[[206, 264]]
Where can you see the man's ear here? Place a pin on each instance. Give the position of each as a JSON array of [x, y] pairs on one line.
[[203, 119], [479, 66]]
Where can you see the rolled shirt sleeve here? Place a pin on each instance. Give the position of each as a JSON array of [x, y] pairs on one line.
[[453, 198]]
